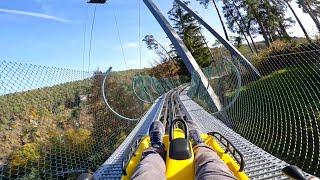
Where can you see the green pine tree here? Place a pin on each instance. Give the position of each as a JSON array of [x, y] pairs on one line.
[[190, 32], [258, 17]]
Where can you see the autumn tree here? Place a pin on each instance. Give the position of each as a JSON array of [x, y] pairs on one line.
[[166, 58]]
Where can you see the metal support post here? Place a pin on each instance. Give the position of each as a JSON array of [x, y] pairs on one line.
[[183, 51], [225, 43]]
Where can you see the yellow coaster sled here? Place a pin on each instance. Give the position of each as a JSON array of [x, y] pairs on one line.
[[180, 157]]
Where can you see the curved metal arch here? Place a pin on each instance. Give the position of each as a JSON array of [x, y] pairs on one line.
[[238, 88], [152, 86], [168, 83], [145, 88], [135, 93], [157, 83], [163, 85], [106, 100], [237, 94]]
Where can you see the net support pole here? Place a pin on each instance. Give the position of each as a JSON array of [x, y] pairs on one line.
[[183, 51], [223, 41]]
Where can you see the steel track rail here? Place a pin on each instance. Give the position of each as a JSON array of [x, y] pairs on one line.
[[112, 168]]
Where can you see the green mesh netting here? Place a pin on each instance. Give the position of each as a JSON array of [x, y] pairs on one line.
[[279, 112]]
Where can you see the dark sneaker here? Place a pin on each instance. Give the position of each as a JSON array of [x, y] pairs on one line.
[[195, 137], [194, 133], [156, 133]]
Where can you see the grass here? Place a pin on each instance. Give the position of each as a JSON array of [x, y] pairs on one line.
[[280, 113]]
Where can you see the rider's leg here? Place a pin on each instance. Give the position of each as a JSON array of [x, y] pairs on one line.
[[208, 164], [152, 164]]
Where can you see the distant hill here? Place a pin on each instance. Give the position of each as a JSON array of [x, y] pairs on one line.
[[64, 116]]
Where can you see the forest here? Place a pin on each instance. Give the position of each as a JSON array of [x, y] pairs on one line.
[[61, 131], [68, 122]]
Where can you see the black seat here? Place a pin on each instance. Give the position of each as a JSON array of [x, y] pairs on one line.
[[180, 147]]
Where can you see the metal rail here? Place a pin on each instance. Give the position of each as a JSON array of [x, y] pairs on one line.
[[229, 148], [112, 168], [152, 87], [106, 100], [145, 88], [135, 93], [183, 51]]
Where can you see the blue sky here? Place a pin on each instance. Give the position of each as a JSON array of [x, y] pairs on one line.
[[51, 32]]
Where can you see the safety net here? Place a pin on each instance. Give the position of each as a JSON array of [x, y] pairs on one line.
[[278, 111], [55, 123]]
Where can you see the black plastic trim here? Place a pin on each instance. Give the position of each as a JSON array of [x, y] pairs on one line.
[[234, 151]]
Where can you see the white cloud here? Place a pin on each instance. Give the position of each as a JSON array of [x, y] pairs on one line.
[[37, 15], [128, 45], [131, 45]]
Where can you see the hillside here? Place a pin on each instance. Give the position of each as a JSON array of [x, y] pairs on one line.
[[64, 121]]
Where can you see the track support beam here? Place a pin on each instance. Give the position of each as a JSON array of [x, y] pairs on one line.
[[225, 43], [183, 51]]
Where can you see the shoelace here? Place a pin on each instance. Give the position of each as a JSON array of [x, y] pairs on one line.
[[155, 138]]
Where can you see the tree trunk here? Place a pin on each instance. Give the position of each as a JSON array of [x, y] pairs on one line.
[[244, 35], [309, 11], [298, 20], [253, 43], [221, 21], [270, 34], [247, 31], [263, 31], [284, 31], [240, 29], [262, 28], [280, 34]]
